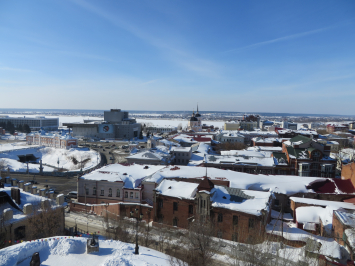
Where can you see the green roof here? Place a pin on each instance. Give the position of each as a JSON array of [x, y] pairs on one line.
[[301, 139], [298, 153]]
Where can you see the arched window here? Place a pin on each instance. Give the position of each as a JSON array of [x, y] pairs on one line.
[[126, 194], [118, 194], [94, 190], [110, 192]]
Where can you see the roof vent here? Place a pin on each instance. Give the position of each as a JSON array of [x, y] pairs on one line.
[[124, 173], [146, 167], [169, 187], [224, 197]]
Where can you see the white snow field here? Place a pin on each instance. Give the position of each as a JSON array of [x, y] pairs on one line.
[[50, 156], [59, 251]]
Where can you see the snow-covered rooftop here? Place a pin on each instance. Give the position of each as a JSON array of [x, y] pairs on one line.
[[182, 190], [131, 175], [59, 251]]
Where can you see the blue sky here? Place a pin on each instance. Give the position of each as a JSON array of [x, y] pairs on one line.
[[248, 56]]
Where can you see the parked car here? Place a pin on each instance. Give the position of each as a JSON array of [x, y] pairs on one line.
[[73, 195]]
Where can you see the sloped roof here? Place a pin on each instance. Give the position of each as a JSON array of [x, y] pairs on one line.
[[299, 140]]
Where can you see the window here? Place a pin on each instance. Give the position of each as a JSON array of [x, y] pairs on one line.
[[94, 191], [251, 223], [126, 194], [175, 206], [277, 202], [137, 195], [160, 203], [220, 217], [86, 191], [110, 192], [175, 221], [235, 220], [235, 237], [131, 195], [118, 193], [102, 192], [20, 232], [191, 209]]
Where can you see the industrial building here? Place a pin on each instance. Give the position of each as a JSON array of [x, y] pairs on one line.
[[35, 123], [116, 125]]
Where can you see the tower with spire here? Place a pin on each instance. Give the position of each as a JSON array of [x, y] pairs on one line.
[[195, 122]]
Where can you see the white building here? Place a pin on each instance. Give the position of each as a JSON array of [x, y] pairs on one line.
[[229, 136]]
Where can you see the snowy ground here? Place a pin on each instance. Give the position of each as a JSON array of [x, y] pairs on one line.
[[68, 159], [59, 251], [7, 136]]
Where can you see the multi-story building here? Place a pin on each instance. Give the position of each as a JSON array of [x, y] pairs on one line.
[[116, 125], [237, 215], [307, 157], [337, 127], [181, 155], [232, 137], [52, 140], [35, 123]]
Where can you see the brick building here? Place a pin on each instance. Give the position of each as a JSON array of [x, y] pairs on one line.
[[337, 127], [307, 157], [344, 229], [237, 215], [52, 140], [348, 172]]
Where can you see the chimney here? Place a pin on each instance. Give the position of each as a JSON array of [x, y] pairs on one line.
[[34, 190], [13, 182], [20, 184], [27, 208], [15, 195], [8, 214], [51, 195], [45, 204], [60, 199], [7, 180], [42, 192], [27, 187]]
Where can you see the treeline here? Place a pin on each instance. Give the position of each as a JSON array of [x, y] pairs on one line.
[[11, 128]]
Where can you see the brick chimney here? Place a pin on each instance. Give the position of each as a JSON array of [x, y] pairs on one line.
[[15, 195]]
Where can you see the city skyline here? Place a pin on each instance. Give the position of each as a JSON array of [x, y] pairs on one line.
[[282, 57]]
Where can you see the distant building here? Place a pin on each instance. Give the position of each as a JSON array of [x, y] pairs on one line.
[[52, 140], [289, 125], [181, 155], [35, 123], [249, 123], [334, 127], [116, 125], [231, 137], [195, 123]]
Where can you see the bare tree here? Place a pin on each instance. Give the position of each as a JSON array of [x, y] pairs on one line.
[[201, 244], [118, 229], [45, 221]]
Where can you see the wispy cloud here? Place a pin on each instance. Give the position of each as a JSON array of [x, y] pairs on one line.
[[88, 56], [15, 69], [178, 56], [281, 39]]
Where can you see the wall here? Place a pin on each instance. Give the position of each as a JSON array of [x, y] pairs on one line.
[[348, 172]]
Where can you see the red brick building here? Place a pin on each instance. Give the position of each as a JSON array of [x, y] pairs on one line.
[[333, 127], [52, 140], [238, 215]]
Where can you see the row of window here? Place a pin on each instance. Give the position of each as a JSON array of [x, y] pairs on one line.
[[118, 193]]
